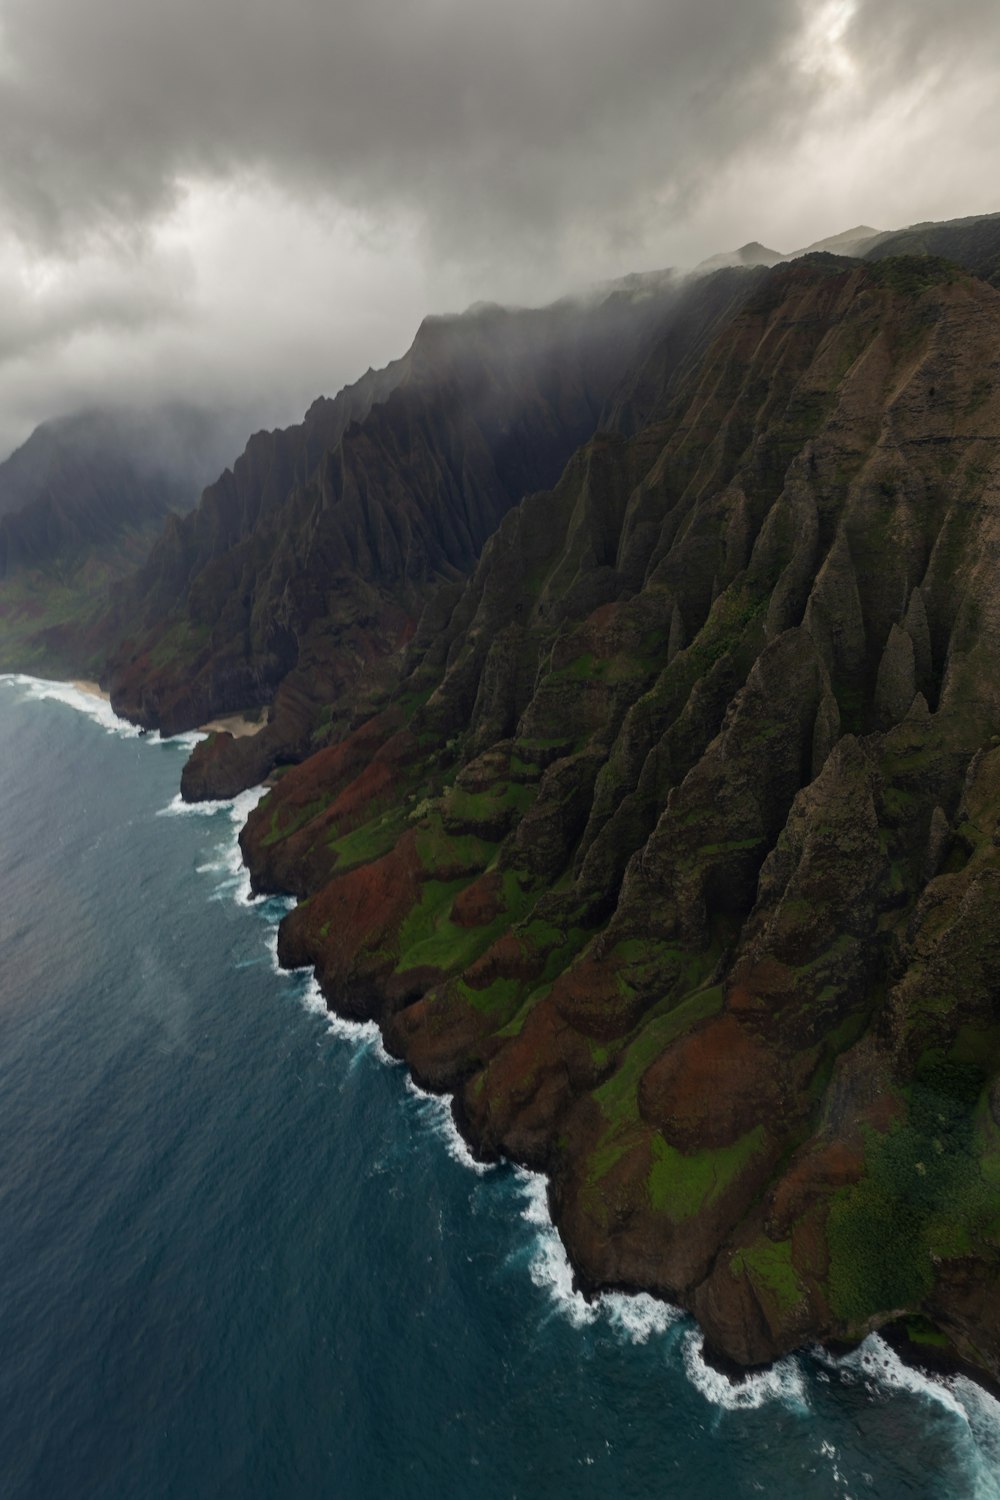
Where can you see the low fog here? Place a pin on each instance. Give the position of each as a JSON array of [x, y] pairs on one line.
[[235, 200]]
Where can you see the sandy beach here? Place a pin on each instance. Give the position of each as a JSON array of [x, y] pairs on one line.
[[93, 688], [238, 725], [234, 724]]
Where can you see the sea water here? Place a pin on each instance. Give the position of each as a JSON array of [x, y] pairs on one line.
[[241, 1255]]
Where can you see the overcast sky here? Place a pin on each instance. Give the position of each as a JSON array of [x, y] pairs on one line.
[[256, 199]]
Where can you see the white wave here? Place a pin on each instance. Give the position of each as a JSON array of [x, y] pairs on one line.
[[878, 1366], [881, 1370], [435, 1111], [635, 1318], [829, 1454], [272, 947], [783, 1381], [186, 740], [239, 808], [549, 1266], [229, 865], [982, 1412], [639, 1317], [226, 865], [97, 709], [178, 808], [243, 805], [364, 1035]]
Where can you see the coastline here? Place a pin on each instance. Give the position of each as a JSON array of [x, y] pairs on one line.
[[938, 1366], [624, 1348], [238, 725], [92, 689]]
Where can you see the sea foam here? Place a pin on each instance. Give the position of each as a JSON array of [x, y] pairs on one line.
[[880, 1369], [97, 709], [226, 862], [434, 1112], [783, 1381], [634, 1318]]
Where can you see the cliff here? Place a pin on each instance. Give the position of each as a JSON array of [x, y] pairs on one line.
[[674, 855], [301, 574]]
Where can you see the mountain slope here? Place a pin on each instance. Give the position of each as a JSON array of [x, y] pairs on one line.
[[303, 572], [674, 856], [81, 503], [972, 243]]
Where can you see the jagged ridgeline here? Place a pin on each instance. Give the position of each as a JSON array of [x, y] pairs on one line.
[[304, 569], [675, 854]]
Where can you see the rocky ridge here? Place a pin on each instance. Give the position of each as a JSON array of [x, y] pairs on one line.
[[674, 856], [303, 571]]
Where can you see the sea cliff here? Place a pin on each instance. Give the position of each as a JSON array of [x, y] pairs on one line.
[[673, 855]]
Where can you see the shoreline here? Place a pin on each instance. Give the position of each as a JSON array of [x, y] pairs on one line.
[[238, 725], [937, 1365], [92, 689], [934, 1364]]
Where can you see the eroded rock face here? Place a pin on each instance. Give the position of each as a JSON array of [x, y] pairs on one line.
[[676, 855], [298, 580]]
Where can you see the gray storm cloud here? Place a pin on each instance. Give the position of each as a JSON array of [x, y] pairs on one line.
[[483, 118], [194, 189]]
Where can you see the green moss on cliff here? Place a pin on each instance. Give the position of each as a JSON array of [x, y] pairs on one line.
[[769, 1265], [282, 830], [370, 841], [924, 1196], [681, 1184]]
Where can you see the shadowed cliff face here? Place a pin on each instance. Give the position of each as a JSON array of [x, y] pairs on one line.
[[304, 570], [675, 854]]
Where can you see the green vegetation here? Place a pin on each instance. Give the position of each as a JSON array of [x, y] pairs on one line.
[[680, 1185], [428, 936], [924, 1195], [183, 640], [439, 850], [733, 614], [34, 607], [618, 1096], [498, 999], [298, 819], [498, 806], [768, 1263], [909, 275], [922, 1331], [370, 841]]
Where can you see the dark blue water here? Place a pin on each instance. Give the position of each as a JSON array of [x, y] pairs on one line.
[[240, 1256]]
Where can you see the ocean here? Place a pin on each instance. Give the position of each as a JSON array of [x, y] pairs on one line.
[[241, 1255]]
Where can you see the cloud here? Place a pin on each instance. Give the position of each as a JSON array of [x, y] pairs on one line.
[[480, 118], [266, 197]]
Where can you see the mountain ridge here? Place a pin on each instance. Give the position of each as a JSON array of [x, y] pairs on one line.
[[691, 983]]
